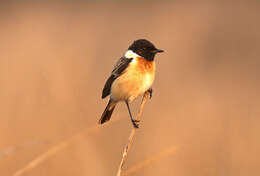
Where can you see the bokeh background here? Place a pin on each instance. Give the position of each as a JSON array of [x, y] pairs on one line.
[[203, 119]]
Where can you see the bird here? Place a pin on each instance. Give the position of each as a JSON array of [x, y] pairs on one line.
[[132, 75]]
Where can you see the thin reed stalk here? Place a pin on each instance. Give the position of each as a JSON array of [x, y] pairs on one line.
[[55, 149], [131, 137], [152, 159]]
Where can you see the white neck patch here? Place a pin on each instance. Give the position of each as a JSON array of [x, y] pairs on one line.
[[130, 54]]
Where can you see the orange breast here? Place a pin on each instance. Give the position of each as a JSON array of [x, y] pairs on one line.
[[136, 79], [145, 66]]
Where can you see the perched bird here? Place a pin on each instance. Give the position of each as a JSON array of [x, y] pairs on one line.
[[132, 76]]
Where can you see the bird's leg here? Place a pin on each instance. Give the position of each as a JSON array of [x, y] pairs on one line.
[[134, 122], [150, 92]]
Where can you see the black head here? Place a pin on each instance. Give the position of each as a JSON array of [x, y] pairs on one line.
[[144, 48]]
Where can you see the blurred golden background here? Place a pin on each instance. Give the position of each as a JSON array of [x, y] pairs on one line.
[[203, 118]]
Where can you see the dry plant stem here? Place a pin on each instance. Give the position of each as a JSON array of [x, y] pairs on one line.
[[131, 137], [55, 149], [153, 158]]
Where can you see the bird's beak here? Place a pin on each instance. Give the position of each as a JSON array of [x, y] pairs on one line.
[[158, 51]]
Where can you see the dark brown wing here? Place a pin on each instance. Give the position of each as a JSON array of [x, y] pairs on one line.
[[119, 68]]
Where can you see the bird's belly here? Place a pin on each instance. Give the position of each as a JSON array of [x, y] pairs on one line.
[[131, 84]]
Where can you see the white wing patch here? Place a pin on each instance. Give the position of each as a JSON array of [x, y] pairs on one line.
[[130, 54]]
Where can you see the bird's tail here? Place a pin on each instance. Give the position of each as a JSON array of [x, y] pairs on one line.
[[107, 112]]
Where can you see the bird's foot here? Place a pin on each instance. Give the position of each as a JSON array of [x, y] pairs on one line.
[[150, 92], [135, 123]]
